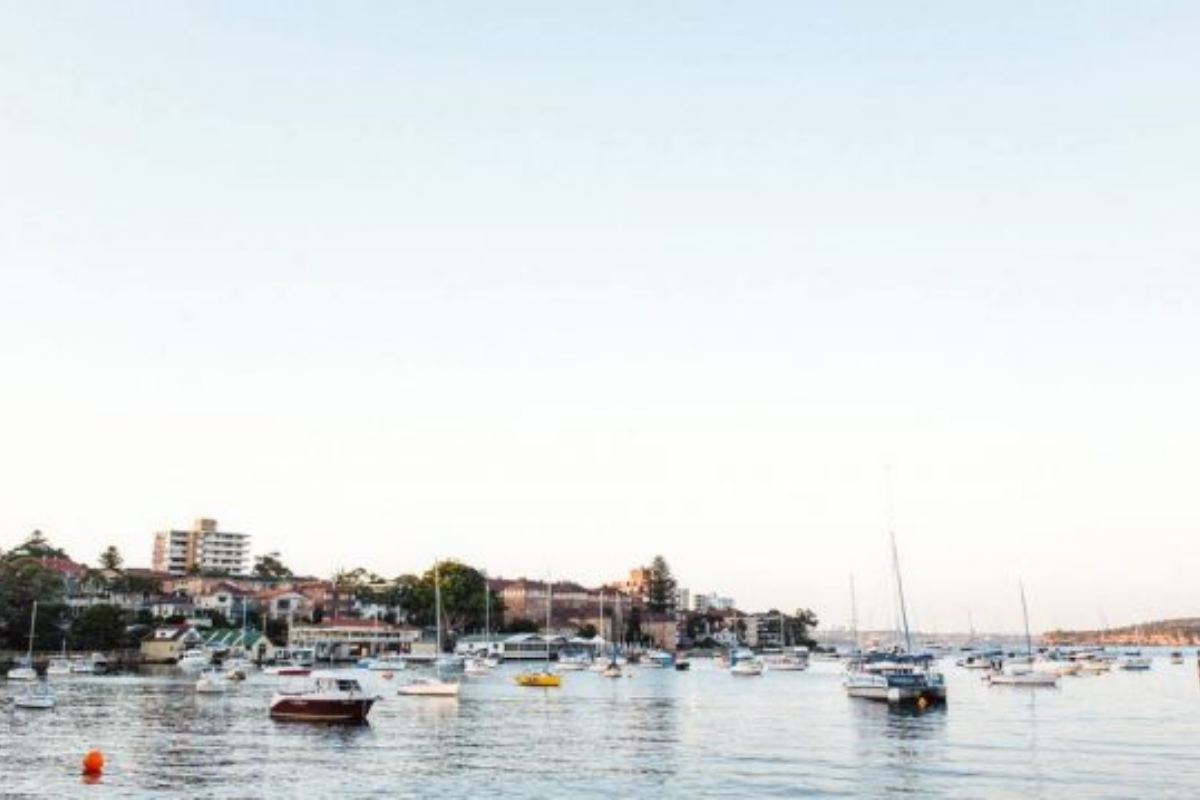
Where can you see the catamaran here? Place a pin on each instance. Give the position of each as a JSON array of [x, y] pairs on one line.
[[901, 676]]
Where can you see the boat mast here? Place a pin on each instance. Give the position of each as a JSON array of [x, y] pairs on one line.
[[854, 614], [32, 627], [900, 591], [549, 603], [437, 607], [1025, 614]]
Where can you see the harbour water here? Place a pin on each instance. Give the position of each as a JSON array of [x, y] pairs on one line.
[[660, 733]]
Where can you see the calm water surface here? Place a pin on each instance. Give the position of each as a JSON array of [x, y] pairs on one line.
[[697, 734]]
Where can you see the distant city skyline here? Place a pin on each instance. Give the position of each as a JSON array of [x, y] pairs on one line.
[[555, 289]]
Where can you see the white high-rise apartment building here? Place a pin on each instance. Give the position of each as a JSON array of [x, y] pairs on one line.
[[203, 548]]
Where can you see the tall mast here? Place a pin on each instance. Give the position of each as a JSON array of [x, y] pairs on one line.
[[437, 605], [549, 603], [487, 613], [1025, 614], [32, 627], [900, 591], [854, 613]]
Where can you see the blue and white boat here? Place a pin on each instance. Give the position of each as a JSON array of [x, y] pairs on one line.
[[896, 678], [901, 676]]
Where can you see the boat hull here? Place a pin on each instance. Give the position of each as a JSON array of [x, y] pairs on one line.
[[298, 709], [539, 680], [1034, 679]]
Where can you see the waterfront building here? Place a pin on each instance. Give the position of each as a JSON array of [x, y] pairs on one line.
[[166, 643], [350, 639], [203, 549], [249, 642]]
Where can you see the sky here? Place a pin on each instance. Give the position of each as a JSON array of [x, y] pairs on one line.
[[553, 288]]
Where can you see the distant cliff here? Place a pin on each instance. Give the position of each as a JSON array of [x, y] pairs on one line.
[[1164, 633]]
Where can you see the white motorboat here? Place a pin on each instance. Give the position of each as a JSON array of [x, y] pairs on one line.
[[194, 660], [429, 687], [747, 667], [212, 681], [1059, 668], [388, 662], [36, 697], [58, 667], [657, 659], [795, 661], [476, 667], [333, 697], [574, 662]]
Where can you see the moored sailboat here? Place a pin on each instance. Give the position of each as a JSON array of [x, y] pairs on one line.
[[899, 677], [1023, 673], [435, 686]]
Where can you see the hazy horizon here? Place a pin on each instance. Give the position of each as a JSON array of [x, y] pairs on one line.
[[554, 289]]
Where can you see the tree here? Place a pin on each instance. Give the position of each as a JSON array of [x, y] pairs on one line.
[[100, 627], [587, 631], [36, 545], [23, 580], [111, 558], [463, 599], [799, 626], [633, 625], [660, 594], [269, 565]]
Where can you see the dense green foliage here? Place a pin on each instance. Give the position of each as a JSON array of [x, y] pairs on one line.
[[270, 565], [661, 593], [100, 627]]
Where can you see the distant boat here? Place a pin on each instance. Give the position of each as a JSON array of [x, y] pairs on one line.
[[1133, 660], [1176, 657], [544, 678], [747, 667], [36, 697], [436, 686], [1023, 673], [60, 665], [659, 659], [212, 681], [794, 661], [24, 671], [194, 660], [332, 697]]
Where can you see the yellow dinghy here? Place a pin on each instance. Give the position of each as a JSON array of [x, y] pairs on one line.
[[539, 679]]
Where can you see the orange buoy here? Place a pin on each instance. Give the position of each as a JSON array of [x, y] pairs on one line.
[[93, 762]]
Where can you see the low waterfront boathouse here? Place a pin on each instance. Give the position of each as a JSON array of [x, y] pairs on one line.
[[352, 639]]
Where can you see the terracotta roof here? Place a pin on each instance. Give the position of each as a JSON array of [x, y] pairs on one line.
[[63, 566]]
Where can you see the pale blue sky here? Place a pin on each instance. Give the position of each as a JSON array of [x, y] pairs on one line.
[[555, 287]]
